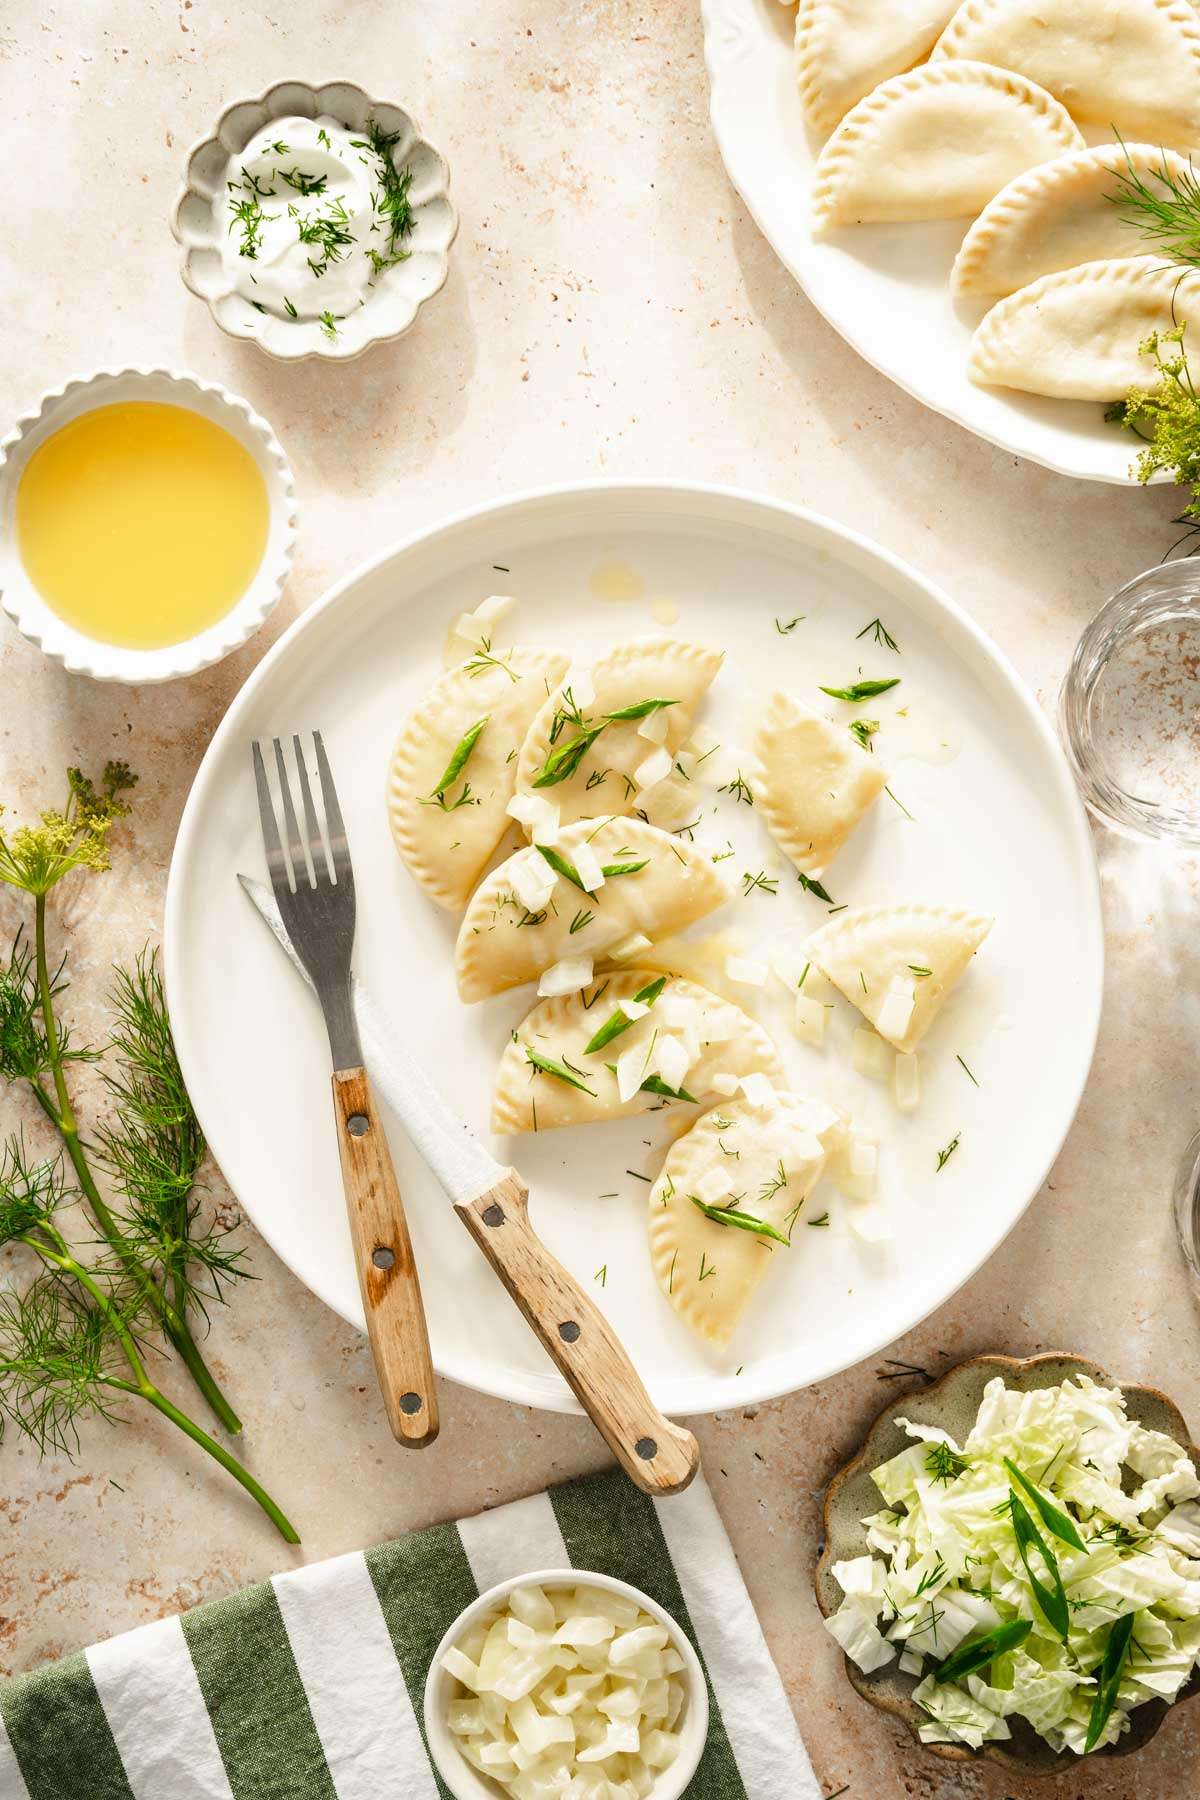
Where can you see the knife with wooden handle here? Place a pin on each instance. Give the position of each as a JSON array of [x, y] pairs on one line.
[[492, 1202]]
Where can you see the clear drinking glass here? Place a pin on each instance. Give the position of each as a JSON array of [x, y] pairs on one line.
[[1130, 706], [1130, 717]]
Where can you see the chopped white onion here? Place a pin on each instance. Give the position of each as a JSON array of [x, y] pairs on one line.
[[634, 1009], [906, 1081], [654, 726], [870, 1055], [656, 767], [470, 628], [565, 977], [629, 947], [714, 1186], [809, 1020], [860, 1167], [746, 970], [723, 1083], [532, 880], [631, 1072], [587, 867], [671, 1060], [758, 1090], [895, 1015], [600, 1721], [539, 816]]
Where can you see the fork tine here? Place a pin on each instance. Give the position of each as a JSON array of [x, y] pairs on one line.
[[339, 849], [277, 864], [295, 842], [316, 843]]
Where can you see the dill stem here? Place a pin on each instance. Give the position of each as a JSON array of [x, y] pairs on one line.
[[57, 1252], [62, 1116]]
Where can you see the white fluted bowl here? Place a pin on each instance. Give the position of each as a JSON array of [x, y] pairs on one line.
[[396, 295], [84, 655]]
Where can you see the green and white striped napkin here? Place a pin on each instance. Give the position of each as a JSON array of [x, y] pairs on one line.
[[309, 1687]]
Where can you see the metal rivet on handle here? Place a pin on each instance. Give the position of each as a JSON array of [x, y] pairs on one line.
[[494, 1216], [383, 1258], [358, 1124], [647, 1449], [411, 1403], [568, 1331]]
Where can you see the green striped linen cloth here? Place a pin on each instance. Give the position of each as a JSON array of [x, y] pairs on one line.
[[309, 1687]]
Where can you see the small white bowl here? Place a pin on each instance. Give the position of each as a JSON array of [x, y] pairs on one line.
[[466, 1783], [84, 655], [396, 295]]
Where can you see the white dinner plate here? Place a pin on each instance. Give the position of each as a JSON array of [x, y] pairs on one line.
[[885, 288], [996, 825]]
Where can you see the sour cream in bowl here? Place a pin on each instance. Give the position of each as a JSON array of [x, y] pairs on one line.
[[315, 221], [311, 213]]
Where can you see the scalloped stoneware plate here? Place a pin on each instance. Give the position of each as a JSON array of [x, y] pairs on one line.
[[885, 288], [395, 297], [255, 1053], [953, 1402]]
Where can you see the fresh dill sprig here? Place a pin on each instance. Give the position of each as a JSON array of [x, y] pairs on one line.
[[329, 231], [303, 184], [152, 1149], [943, 1156], [762, 882], [785, 627], [880, 634], [391, 201], [69, 1344], [739, 788], [944, 1464], [483, 659], [1168, 213], [329, 323]]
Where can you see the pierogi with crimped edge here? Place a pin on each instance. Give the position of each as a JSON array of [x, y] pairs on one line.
[[660, 1038], [898, 964], [652, 884], [766, 1159], [588, 763], [447, 833]]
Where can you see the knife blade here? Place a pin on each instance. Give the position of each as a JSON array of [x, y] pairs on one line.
[[492, 1202]]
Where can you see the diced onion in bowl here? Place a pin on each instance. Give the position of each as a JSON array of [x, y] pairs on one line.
[[601, 1717]]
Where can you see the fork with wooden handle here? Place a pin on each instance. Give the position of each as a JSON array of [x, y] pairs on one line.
[[492, 1203], [314, 892]]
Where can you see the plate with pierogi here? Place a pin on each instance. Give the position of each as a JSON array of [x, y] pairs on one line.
[[987, 200], [722, 877]]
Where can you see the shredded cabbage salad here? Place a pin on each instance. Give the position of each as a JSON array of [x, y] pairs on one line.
[[1049, 1567]]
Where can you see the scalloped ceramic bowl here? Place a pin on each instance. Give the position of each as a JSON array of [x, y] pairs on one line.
[[953, 1403], [395, 296], [84, 655]]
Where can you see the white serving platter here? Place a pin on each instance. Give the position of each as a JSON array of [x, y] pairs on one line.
[[885, 288], [996, 825]]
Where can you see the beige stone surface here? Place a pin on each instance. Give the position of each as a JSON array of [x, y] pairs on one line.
[[611, 311]]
